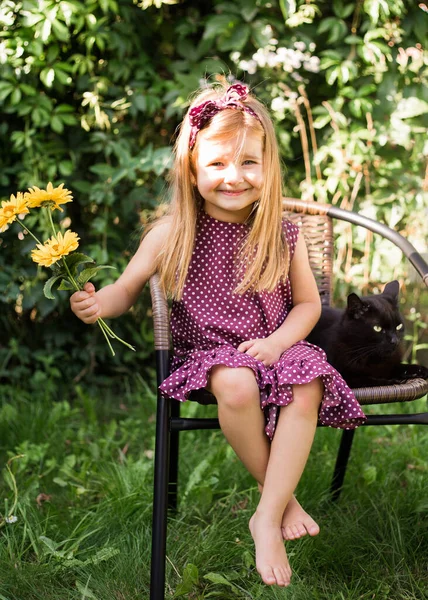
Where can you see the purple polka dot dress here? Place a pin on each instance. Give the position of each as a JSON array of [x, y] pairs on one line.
[[210, 322]]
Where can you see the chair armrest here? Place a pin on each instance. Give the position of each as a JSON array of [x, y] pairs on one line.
[[160, 315]]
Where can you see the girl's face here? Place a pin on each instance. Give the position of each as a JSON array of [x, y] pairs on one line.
[[229, 176]]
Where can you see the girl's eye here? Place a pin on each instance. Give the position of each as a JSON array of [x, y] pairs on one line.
[[249, 162], [377, 328], [399, 327]]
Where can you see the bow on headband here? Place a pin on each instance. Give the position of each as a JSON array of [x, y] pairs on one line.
[[200, 115]]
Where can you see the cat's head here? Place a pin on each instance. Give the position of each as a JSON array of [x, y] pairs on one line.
[[375, 321]]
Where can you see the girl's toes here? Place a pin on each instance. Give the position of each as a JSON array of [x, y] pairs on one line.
[[314, 529], [268, 576], [280, 576], [287, 533], [283, 576], [298, 530]]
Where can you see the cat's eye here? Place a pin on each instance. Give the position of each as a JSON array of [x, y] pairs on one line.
[[377, 328], [399, 327]]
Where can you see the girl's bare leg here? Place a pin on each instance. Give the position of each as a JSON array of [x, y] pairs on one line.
[[242, 422], [290, 448]]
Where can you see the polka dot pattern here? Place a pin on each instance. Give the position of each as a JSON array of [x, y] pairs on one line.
[[210, 322]]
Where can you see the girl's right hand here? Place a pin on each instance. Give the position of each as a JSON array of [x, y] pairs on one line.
[[85, 305]]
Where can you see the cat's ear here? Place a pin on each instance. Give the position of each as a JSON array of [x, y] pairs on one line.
[[356, 307], [391, 289]]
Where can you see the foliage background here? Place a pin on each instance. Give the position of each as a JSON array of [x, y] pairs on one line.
[[92, 93]]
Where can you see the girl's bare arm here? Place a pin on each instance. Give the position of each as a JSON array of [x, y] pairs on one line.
[[115, 299], [306, 300]]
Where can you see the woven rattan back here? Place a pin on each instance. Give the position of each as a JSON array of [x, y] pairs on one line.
[[318, 231]]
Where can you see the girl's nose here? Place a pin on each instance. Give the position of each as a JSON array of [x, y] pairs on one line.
[[232, 174]]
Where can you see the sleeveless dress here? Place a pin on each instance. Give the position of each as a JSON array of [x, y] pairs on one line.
[[210, 322]]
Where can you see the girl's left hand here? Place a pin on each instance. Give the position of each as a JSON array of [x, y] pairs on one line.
[[263, 350]]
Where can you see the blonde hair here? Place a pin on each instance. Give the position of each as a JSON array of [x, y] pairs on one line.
[[263, 258]]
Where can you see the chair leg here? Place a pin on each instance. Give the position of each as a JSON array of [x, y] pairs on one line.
[[173, 460], [341, 463], [160, 500]]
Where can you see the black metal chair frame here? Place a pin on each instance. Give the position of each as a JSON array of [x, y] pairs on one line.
[[169, 423]]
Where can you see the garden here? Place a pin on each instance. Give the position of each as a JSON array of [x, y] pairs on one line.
[[91, 96]]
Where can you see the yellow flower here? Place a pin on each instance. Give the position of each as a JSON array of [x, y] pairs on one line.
[[51, 197], [10, 209], [55, 248]]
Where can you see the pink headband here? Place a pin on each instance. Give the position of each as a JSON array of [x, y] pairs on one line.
[[200, 115]]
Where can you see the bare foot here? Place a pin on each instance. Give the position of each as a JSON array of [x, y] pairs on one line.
[[271, 558], [296, 522]]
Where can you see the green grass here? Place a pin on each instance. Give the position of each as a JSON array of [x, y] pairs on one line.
[[88, 536]]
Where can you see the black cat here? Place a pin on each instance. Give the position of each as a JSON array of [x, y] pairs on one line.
[[364, 341]]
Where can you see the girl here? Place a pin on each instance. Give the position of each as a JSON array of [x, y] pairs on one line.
[[244, 298]]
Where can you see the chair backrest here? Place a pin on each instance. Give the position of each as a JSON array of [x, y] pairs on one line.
[[318, 231]]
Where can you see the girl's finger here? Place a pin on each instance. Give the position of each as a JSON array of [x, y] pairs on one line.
[[245, 345], [89, 287]]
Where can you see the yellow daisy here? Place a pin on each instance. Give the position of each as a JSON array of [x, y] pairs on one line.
[[50, 197], [55, 248], [10, 209]]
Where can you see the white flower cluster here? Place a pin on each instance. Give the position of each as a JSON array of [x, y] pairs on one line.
[[11, 519], [289, 59]]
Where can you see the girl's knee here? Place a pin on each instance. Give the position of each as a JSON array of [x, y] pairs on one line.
[[234, 388], [307, 397]]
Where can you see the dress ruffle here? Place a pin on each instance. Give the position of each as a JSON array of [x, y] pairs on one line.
[[300, 364]]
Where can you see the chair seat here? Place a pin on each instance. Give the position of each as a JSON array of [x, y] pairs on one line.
[[383, 394]]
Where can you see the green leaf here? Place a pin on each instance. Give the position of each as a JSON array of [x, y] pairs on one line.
[[47, 76], [5, 89], [218, 24], [220, 579], [65, 285], [27, 89], [16, 96], [190, 579], [87, 274], [60, 31], [49, 543], [47, 289], [370, 474], [75, 259], [57, 125], [237, 39]]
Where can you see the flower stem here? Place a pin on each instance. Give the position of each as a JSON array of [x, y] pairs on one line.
[[72, 280], [28, 231], [113, 335], [48, 210], [102, 324]]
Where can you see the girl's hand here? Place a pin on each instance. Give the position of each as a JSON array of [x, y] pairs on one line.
[[263, 350], [85, 305]]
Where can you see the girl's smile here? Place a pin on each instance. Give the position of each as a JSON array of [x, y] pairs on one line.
[[229, 175]]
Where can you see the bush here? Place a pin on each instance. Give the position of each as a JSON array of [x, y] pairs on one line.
[[92, 93]]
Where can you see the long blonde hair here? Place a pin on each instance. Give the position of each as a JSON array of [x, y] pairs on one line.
[[264, 252]]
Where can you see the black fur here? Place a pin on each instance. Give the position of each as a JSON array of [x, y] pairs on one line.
[[364, 356]]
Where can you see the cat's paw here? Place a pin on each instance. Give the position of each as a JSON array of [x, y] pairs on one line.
[[413, 372]]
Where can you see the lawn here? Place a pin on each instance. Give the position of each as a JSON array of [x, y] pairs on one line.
[[82, 465]]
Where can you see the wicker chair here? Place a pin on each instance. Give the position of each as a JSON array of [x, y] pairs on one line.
[[316, 222]]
